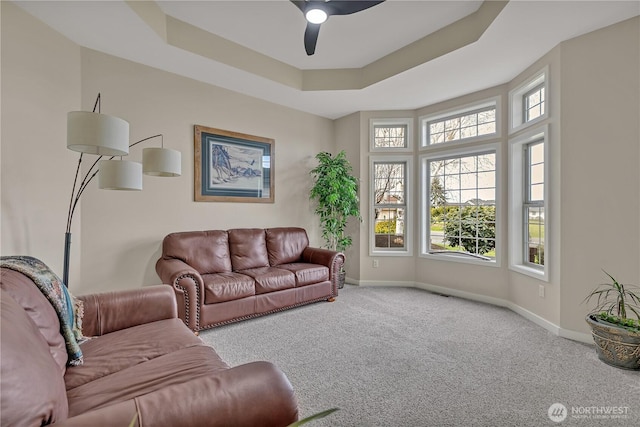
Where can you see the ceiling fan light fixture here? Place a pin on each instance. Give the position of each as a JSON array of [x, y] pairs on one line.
[[316, 16]]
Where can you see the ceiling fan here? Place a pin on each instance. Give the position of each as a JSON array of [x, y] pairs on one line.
[[318, 11]]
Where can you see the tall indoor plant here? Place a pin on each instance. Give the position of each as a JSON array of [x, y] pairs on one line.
[[335, 190], [615, 323]]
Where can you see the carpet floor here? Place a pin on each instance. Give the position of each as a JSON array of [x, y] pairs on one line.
[[407, 357]]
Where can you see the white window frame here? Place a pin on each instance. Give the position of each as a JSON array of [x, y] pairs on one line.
[[408, 219], [494, 102], [517, 260], [425, 212], [517, 101], [408, 122]]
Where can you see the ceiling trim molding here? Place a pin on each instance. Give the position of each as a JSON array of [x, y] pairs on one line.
[[193, 39]]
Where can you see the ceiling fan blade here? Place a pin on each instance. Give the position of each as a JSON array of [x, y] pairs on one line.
[[347, 7], [300, 4], [311, 38]]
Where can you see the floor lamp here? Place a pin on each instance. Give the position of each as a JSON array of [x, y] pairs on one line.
[[104, 135]]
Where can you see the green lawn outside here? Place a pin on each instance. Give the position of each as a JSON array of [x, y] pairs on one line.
[[536, 229]]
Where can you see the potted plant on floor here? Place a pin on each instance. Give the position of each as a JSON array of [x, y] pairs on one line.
[[335, 190], [615, 323]]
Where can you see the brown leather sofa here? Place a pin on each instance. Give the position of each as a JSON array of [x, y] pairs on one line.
[[142, 362], [223, 276]]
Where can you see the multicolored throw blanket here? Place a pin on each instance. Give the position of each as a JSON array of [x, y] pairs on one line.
[[69, 309]]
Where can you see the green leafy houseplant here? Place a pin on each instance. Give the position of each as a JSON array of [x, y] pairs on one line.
[[335, 190], [615, 323], [616, 303]]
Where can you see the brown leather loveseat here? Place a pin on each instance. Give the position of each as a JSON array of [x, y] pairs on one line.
[[222, 276], [141, 362]]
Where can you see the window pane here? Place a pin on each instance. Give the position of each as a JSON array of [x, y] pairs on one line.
[[389, 181], [534, 103], [468, 180], [486, 162], [437, 138], [535, 235], [535, 172], [469, 132], [452, 166], [390, 136], [452, 182], [537, 153], [436, 127], [537, 193], [389, 228], [437, 167]]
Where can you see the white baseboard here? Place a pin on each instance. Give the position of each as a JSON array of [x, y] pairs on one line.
[[576, 336], [540, 321]]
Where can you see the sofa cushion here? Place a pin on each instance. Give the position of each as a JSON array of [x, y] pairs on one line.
[[270, 279], [32, 389], [176, 367], [205, 251], [125, 348], [248, 248], [28, 296], [227, 287], [285, 244], [307, 274]]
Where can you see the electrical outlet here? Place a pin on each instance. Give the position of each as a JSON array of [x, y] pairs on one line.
[[541, 291], [376, 264]]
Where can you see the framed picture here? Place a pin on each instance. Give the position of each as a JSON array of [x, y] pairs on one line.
[[233, 167]]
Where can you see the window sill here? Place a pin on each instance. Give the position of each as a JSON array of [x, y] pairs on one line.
[[539, 274], [390, 253], [461, 258]]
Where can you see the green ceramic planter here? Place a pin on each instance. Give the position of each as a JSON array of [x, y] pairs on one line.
[[615, 346]]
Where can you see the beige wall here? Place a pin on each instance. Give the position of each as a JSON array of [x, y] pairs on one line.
[[347, 134], [595, 169], [117, 235], [600, 169], [122, 231], [40, 83]]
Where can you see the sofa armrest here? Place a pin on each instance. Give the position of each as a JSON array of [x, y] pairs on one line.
[[248, 395], [332, 259], [113, 311], [255, 394], [188, 286], [170, 269], [323, 257]]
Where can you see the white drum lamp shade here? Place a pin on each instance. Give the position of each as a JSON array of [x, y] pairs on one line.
[[119, 175], [96, 133], [161, 162]]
